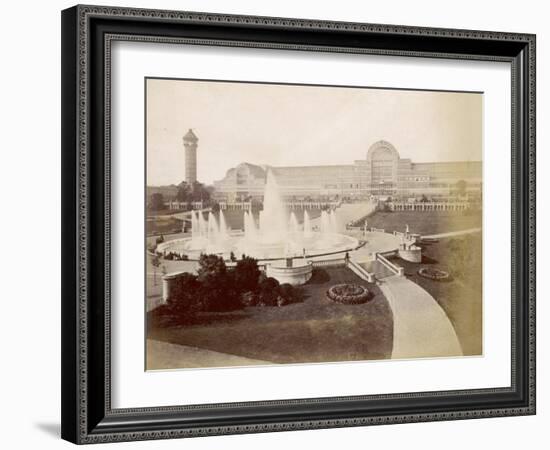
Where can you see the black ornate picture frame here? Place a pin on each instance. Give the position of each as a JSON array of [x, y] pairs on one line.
[[87, 35]]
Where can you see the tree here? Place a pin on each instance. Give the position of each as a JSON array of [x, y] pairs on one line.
[[200, 192], [247, 274], [195, 192], [461, 188], [211, 267], [184, 192], [157, 201]]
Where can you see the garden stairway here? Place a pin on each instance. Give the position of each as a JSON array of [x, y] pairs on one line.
[[379, 270]]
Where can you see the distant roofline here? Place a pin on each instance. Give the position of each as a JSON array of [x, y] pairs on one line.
[[354, 163], [301, 167], [448, 162]]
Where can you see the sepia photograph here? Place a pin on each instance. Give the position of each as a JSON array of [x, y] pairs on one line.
[[299, 224], [275, 223]]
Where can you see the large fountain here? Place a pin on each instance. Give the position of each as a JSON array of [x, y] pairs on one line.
[[275, 234]]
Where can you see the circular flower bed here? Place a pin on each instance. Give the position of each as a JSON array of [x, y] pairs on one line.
[[433, 274], [348, 294]]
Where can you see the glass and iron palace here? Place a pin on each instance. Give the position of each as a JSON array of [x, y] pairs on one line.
[[383, 174]]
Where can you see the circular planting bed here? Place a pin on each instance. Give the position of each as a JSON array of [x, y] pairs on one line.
[[433, 274], [348, 294]]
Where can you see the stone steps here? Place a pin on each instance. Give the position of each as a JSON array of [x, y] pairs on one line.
[[379, 270]]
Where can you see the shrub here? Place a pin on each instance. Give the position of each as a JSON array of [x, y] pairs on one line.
[[183, 302], [247, 274], [287, 292], [220, 293], [217, 290], [249, 298], [261, 278], [269, 292]]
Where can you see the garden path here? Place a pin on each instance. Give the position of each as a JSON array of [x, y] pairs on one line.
[[421, 329], [164, 355], [453, 233]]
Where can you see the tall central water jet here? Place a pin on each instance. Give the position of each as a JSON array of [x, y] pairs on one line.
[[273, 226]]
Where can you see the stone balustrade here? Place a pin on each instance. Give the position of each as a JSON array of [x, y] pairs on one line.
[[429, 206]]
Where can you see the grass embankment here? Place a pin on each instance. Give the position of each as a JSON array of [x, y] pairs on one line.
[[461, 296], [425, 223], [163, 225], [312, 330]]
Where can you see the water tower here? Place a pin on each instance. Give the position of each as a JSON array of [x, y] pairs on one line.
[[190, 141]]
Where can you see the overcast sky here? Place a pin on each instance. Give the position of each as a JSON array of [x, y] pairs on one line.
[[283, 125]]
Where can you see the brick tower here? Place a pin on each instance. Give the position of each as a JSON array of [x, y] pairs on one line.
[[190, 141]]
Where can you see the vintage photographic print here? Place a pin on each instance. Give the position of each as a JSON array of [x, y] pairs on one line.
[[294, 223]]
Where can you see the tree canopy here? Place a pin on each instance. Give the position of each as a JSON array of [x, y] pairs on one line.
[[247, 274], [192, 192], [157, 201]]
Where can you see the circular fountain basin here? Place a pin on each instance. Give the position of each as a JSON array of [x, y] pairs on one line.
[[297, 272], [295, 245]]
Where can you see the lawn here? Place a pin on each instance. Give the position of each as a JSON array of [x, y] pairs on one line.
[[461, 297], [427, 222], [312, 330], [163, 224]]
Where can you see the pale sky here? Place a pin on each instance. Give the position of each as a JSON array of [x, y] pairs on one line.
[[283, 125]]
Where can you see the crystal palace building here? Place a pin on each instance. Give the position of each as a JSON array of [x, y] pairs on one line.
[[383, 174]]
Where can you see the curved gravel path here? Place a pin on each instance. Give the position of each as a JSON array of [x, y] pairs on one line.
[[421, 329]]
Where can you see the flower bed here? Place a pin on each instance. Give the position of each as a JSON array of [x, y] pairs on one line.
[[433, 274], [348, 294]]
